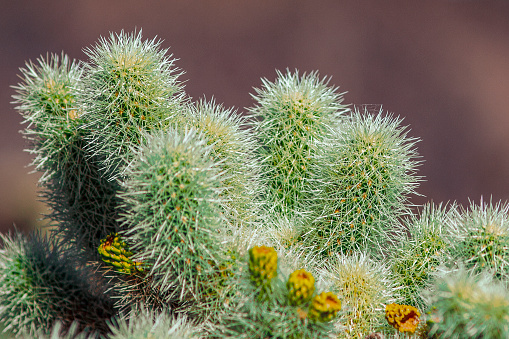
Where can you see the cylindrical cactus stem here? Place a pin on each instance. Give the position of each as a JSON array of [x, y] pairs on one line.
[[324, 307], [175, 224], [301, 286], [130, 87], [83, 203], [296, 111], [364, 175]]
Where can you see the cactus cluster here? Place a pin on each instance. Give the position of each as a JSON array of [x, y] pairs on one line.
[[175, 218]]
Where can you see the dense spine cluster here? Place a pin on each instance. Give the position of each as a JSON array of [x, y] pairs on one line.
[[364, 174], [82, 201], [296, 111], [175, 225], [130, 88], [42, 282], [479, 238], [419, 254], [469, 305]]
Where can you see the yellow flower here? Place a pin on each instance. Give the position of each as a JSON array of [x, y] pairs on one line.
[[262, 264], [301, 286], [324, 307], [404, 318]]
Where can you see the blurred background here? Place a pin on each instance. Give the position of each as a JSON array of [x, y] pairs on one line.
[[442, 65]]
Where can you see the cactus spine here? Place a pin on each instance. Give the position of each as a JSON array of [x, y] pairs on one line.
[[416, 259], [42, 282], [479, 238]]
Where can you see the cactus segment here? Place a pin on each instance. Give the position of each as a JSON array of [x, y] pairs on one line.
[[130, 88], [296, 111]]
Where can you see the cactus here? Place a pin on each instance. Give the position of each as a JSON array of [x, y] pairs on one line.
[[83, 203], [43, 281], [416, 259], [403, 318], [364, 285], [479, 238], [130, 87], [174, 225], [364, 175], [234, 148], [274, 315], [159, 206], [147, 324], [296, 111], [465, 304]]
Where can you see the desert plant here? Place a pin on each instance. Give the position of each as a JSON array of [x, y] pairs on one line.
[[130, 87], [465, 304], [281, 312], [175, 218], [175, 224], [365, 287], [43, 282], [290, 115], [420, 253], [363, 175], [83, 203], [479, 238]]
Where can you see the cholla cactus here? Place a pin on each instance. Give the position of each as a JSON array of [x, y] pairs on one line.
[[469, 305], [403, 318], [324, 307], [174, 225], [83, 202], [480, 238], [130, 87], [42, 283], [115, 252], [296, 111], [417, 257], [364, 286], [301, 286], [234, 147], [364, 175]]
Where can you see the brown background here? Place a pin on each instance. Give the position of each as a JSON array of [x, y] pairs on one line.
[[443, 65]]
